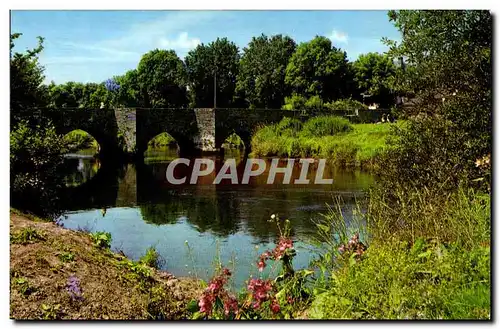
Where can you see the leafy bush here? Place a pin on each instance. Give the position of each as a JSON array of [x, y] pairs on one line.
[[151, 258], [101, 239], [314, 103], [23, 286], [326, 125], [346, 104], [295, 102], [26, 235], [35, 163]]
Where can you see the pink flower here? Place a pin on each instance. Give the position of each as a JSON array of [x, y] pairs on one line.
[[206, 303], [230, 305], [261, 265], [275, 307]]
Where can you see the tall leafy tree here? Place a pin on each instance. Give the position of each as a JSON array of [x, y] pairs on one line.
[[26, 78], [215, 63], [373, 73], [161, 77], [129, 94], [319, 69], [447, 67], [261, 80]]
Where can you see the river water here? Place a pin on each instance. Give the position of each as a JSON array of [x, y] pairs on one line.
[[192, 225]]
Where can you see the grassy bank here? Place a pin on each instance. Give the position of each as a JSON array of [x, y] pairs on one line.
[[433, 262], [79, 139], [357, 146], [56, 273]]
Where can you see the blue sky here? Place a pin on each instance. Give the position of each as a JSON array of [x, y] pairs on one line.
[[91, 46]]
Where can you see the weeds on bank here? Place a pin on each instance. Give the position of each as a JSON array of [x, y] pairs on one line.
[[428, 257], [23, 286], [151, 258], [101, 239], [26, 235]]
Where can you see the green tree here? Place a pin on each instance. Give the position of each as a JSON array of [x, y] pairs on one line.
[[129, 94], [447, 66], [261, 80], [372, 74], [161, 77], [319, 69], [78, 95], [26, 78], [220, 59]]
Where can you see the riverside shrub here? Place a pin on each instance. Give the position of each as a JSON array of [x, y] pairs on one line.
[[325, 126]]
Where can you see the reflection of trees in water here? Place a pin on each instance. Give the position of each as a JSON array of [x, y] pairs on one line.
[[224, 209], [86, 168]]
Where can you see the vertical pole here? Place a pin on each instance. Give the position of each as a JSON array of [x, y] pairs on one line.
[[215, 88]]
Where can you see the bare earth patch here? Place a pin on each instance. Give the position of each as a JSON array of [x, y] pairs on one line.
[[111, 287]]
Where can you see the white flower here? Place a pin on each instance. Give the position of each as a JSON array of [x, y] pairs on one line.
[[273, 216]]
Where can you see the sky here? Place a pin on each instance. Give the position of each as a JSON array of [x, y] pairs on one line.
[[92, 46]]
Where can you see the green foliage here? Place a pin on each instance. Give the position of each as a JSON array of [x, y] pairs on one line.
[[219, 58], [79, 139], [162, 79], [67, 257], [372, 74], [447, 68], [395, 280], [138, 272], [35, 162], [129, 94], [318, 69], [346, 104], [101, 239], [360, 147], [326, 126], [78, 95], [426, 153], [26, 235], [162, 140], [261, 79], [51, 312], [407, 213], [151, 258], [26, 78], [295, 102], [23, 286]]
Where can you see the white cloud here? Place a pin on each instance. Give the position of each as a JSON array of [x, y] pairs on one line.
[[138, 39], [182, 42], [338, 37]]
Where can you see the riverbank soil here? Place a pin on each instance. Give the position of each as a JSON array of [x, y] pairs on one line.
[[46, 260]]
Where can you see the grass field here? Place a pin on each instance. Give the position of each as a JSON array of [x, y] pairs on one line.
[[358, 147]]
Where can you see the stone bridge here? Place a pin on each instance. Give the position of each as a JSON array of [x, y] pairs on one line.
[[127, 131]]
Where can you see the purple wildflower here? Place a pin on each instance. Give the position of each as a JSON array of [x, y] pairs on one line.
[[111, 85], [74, 289]]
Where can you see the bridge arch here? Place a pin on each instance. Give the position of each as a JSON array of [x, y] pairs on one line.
[[79, 139]]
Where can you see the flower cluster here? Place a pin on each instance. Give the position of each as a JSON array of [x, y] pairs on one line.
[[216, 290], [354, 245], [484, 162], [277, 253], [74, 289], [260, 290], [111, 85]]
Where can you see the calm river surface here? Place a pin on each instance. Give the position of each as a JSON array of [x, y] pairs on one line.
[[140, 209]]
